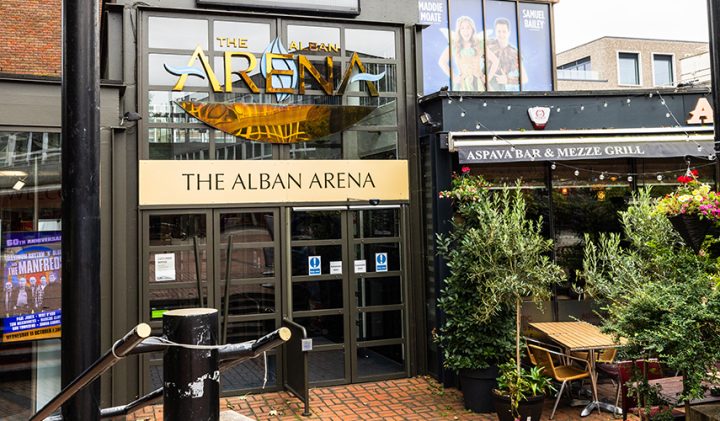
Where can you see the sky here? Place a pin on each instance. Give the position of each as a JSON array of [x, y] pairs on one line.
[[581, 21]]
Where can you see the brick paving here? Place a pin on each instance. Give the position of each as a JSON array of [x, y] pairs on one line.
[[417, 398]]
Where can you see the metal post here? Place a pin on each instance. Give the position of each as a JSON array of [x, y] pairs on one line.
[[80, 203], [191, 375], [714, 29]]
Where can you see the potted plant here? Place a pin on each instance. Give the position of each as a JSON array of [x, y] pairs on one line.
[[692, 208], [663, 300], [528, 386], [474, 347], [497, 258]]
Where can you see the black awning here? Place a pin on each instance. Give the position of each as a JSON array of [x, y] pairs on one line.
[[565, 145]]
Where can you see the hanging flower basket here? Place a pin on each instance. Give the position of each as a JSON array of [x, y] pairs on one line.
[[692, 209], [691, 228]]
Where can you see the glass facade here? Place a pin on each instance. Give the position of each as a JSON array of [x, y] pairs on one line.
[[350, 72], [277, 89], [30, 309]]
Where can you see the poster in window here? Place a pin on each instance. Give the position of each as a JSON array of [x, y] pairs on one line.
[[32, 266], [466, 51], [434, 40], [535, 46], [504, 72]]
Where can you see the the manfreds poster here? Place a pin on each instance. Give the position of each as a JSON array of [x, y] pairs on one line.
[[32, 286]]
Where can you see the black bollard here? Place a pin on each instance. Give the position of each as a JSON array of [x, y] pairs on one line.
[[191, 376]]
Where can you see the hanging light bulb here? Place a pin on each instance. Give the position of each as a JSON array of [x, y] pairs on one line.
[[449, 100], [662, 101], [700, 148], [553, 166], [485, 104], [509, 107], [577, 172], [512, 148], [659, 176], [630, 178], [462, 114], [602, 176], [667, 115], [582, 107], [477, 126], [494, 138], [460, 99], [712, 157], [628, 100], [650, 95], [558, 109], [605, 104]]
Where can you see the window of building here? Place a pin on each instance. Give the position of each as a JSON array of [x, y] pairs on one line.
[[584, 64], [663, 73], [31, 264], [629, 68]]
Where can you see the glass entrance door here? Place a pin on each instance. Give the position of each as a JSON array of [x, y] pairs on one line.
[[249, 304], [182, 246], [347, 289]]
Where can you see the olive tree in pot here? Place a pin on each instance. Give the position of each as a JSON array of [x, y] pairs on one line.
[[472, 346], [497, 258]]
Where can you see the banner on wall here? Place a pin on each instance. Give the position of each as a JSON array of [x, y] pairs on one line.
[[466, 50], [434, 42], [504, 72], [535, 46], [32, 297]]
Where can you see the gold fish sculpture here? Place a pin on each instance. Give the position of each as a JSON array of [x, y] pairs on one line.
[[274, 123]]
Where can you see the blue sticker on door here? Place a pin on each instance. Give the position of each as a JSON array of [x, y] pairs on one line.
[[314, 265], [381, 262]]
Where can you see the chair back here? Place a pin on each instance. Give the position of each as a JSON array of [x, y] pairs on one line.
[[543, 359], [648, 369], [606, 355]]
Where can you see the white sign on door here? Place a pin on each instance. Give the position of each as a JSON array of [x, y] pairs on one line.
[[336, 267], [165, 267], [360, 266]]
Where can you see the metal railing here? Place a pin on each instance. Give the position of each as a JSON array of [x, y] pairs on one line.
[[296, 369], [138, 341]]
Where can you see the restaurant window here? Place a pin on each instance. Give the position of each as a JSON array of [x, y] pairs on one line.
[[663, 72], [30, 256], [629, 68]]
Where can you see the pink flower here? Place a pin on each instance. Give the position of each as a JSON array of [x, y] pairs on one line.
[[465, 169]]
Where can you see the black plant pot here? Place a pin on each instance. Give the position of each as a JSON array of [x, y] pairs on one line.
[[477, 386], [691, 228], [530, 409]]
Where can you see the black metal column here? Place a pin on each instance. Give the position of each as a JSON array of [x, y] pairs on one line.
[[714, 29], [80, 203], [191, 377]]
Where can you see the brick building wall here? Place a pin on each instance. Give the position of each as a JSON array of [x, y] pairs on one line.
[[603, 55], [31, 37]]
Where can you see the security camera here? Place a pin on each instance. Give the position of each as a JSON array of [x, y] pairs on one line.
[[374, 202]]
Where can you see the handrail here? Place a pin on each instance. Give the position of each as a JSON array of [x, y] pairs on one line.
[[296, 373], [229, 355], [118, 351]]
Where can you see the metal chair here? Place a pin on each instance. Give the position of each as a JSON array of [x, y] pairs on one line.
[[560, 373]]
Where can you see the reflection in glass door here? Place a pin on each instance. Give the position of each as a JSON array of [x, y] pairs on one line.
[[347, 290], [249, 304], [173, 264]]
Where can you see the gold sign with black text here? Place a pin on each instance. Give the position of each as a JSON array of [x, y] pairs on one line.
[[277, 181]]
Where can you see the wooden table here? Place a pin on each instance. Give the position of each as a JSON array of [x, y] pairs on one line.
[[581, 336]]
